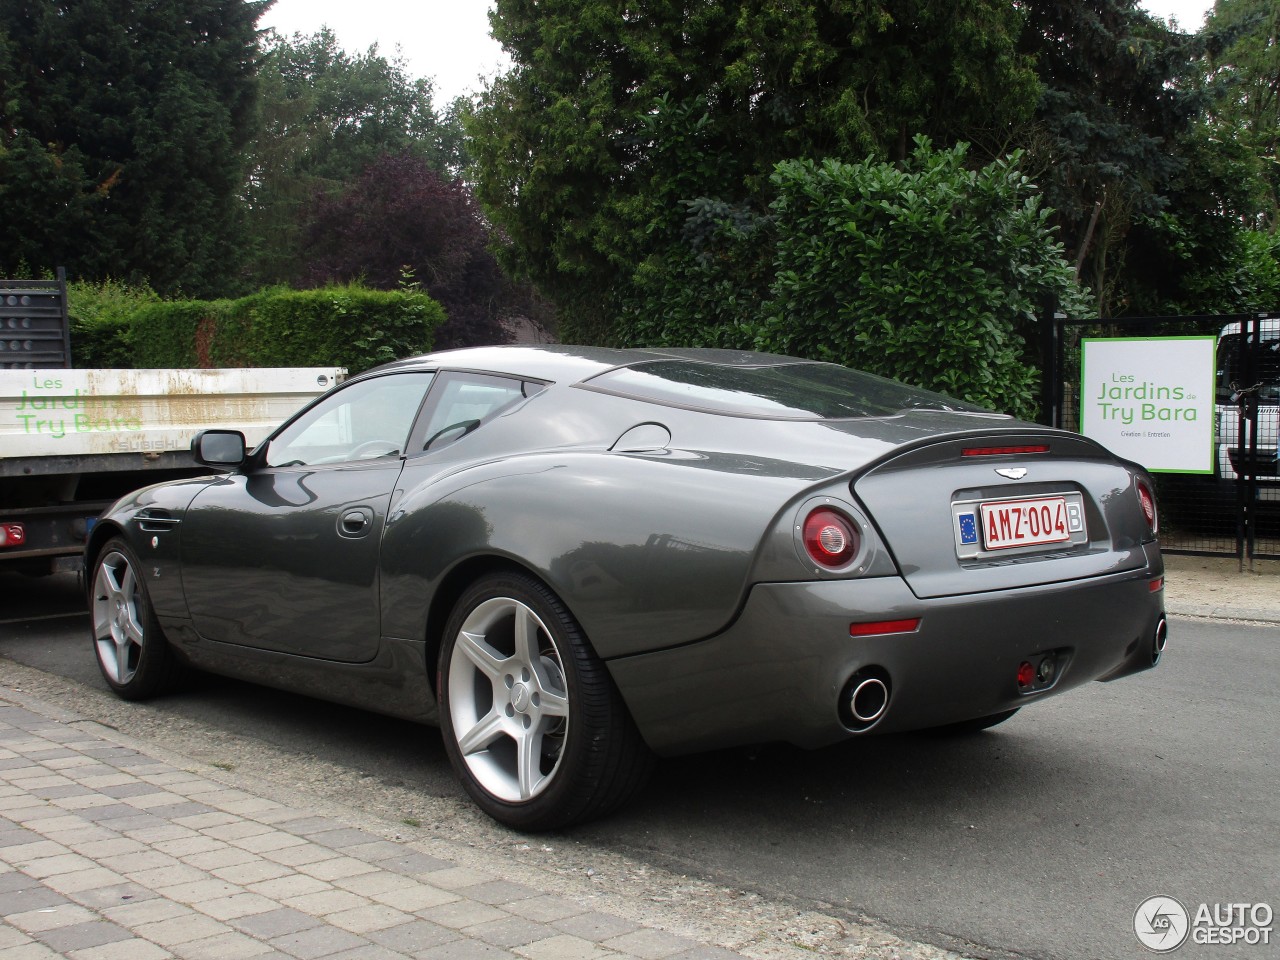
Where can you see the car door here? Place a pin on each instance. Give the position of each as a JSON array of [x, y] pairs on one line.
[[283, 555]]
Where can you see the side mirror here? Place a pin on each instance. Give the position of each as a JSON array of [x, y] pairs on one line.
[[219, 448]]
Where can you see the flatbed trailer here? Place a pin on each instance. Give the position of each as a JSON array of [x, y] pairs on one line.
[[73, 441]]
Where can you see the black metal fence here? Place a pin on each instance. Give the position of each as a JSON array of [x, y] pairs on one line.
[[1235, 511]]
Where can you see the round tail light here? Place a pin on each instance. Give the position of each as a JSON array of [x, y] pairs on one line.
[[1148, 501], [829, 538]]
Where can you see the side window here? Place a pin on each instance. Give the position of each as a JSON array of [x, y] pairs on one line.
[[460, 402], [364, 421]]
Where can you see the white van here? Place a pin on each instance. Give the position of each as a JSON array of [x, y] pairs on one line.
[[1232, 389]]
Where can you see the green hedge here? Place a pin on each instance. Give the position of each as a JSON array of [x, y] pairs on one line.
[[100, 316], [930, 271], [348, 326]]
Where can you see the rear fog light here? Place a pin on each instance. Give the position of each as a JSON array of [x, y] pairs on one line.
[[1038, 673], [12, 535]]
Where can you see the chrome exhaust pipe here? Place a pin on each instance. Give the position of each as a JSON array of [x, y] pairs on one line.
[[869, 700], [1159, 640]]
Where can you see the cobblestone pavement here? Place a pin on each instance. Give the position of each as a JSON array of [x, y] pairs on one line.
[[107, 853]]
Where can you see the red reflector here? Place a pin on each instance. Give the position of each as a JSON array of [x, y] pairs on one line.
[[12, 535], [1156, 585], [1026, 674], [882, 627], [1001, 451]]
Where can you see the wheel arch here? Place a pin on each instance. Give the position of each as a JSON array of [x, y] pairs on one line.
[[450, 590], [134, 656], [597, 759], [102, 532]]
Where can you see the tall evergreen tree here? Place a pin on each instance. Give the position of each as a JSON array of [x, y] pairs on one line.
[[1115, 101], [123, 125]]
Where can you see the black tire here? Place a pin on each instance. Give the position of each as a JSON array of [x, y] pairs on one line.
[[976, 725], [132, 652], [539, 738]]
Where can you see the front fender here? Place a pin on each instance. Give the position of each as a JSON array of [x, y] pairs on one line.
[[150, 520]]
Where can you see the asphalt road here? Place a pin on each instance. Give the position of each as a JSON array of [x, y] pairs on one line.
[[1038, 839]]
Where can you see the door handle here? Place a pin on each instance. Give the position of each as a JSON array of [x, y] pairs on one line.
[[356, 523]]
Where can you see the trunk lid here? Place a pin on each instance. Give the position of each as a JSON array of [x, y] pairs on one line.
[[1070, 510]]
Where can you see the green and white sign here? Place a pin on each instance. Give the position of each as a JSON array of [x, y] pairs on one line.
[[1150, 399]]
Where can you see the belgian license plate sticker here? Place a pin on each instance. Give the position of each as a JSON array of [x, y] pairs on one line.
[[1026, 523]]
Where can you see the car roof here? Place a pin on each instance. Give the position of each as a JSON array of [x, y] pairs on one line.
[[572, 364]]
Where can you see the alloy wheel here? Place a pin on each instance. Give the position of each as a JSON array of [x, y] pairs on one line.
[[508, 700], [117, 621]]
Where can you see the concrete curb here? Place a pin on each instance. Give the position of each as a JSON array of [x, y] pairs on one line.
[[1216, 588], [1216, 612]]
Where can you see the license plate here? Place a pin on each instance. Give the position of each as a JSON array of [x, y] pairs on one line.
[[1024, 523]]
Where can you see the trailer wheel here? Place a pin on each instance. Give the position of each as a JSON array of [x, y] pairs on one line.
[[133, 654]]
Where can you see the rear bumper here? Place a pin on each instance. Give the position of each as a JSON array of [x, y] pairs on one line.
[[781, 670]]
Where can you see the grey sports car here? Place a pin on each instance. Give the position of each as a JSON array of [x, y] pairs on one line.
[[575, 559]]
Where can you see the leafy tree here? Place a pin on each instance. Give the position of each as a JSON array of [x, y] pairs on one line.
[[1115, 102], [928, 271], [122, 126], [1196, 256], [615, 115], [1194, 252], [402, 223], [326, 115], [1261, 268], [1244, 70]]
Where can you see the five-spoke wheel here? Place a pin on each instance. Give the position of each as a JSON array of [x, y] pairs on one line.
[[533, 725], [117, 626], [507, 699], [132, 653]]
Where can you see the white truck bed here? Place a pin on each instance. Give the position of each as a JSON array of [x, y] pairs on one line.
[[72, 441], [92, 413]]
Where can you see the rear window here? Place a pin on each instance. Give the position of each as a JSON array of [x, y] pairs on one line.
[[794, 391]]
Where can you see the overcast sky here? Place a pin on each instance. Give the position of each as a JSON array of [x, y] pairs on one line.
[[448, 40]]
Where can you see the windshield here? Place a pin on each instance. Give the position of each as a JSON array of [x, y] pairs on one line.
[[792, 391], [1232, 373]]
